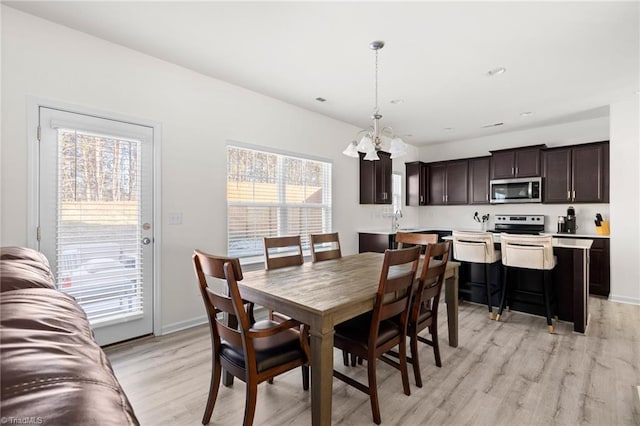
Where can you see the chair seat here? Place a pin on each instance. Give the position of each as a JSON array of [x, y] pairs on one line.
[[270, 351], [357, 330]]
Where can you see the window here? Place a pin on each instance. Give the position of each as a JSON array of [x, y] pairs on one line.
[[270, 195], [396, 191]]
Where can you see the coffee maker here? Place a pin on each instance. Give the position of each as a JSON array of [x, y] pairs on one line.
[[567, 224], [570, 221]]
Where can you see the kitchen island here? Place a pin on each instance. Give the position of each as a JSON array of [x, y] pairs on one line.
[[570, 283], [571, 275]]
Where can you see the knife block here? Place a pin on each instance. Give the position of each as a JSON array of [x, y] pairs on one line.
[[603, 229]]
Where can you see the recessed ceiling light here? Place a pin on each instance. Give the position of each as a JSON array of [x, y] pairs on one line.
[[320, 99], [448, 129], [492, 125], [496, 71], [396, 101], [526, 114], [408, 135]]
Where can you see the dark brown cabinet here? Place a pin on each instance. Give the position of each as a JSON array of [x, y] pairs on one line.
[[514, 163], [448, 182], [416, 183], [377, 243], [375, 179], [479, 169], [576, 174], [599, 281]]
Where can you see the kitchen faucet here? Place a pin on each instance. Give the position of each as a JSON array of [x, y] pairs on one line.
[[394, 220]]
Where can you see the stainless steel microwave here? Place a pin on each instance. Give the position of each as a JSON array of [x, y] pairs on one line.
[[518, 190]]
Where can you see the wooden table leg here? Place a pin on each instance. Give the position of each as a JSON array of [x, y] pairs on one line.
[[321, 375], [451, 299]]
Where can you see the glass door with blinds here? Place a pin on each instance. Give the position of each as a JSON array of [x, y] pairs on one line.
[[95, 218]]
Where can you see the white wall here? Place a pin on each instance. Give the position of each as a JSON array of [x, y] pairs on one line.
[[198, 115], [625, 200]]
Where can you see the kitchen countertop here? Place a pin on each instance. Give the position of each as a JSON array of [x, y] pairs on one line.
[[567, 235], [401, 229], [438, 228], [563, 242]]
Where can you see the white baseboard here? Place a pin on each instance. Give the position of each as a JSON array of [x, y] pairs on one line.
[[624, 299], [183, 325]]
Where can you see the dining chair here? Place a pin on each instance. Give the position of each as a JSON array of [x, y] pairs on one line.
[[325, 246], [254, 351], [280, 252], [529, 252], [409, 238], [477, 247], [424, 308], [370, 335]]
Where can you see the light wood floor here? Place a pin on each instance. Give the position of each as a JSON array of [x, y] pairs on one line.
[[510, 372]]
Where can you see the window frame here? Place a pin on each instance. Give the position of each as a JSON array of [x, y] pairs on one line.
[[281, 205]]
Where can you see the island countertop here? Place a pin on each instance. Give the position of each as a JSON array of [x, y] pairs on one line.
[[382, 231], [564, 242]]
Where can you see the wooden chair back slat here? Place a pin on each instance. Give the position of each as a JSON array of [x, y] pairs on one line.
[[405, 238], [317, 240], [273, 260]]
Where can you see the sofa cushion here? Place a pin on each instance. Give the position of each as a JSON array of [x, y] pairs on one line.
[[51, 368], [23, 253], [20, 274]]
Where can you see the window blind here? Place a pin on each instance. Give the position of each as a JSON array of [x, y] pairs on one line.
[[270, 194], [98, 216]]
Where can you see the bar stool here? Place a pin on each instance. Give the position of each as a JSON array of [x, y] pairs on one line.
[[528, 252], [477, 247]]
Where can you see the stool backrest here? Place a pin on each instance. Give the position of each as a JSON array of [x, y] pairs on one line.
[[527, 251], [475, 247]]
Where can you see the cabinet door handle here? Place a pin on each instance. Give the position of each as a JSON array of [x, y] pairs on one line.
[[516, 170], [421, 199], [574, 195], [569, 195], [513, 171]]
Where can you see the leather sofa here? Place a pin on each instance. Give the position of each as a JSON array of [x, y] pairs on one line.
[[52, 372]]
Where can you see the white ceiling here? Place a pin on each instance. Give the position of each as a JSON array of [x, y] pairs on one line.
[[564, 61]]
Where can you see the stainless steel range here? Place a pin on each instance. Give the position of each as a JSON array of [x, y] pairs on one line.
[[519, 223]]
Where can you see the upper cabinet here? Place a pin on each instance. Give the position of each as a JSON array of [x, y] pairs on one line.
[[416, 183], [479, 170], [576, 174], [375, 179], [448, 182], [514, 163]]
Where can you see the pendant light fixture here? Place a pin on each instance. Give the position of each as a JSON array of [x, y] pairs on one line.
[[376, 138]]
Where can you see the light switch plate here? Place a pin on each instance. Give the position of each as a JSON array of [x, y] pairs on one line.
[[175, 218]]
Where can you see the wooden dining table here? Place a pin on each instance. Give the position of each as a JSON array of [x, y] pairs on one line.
[[327, 293]]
